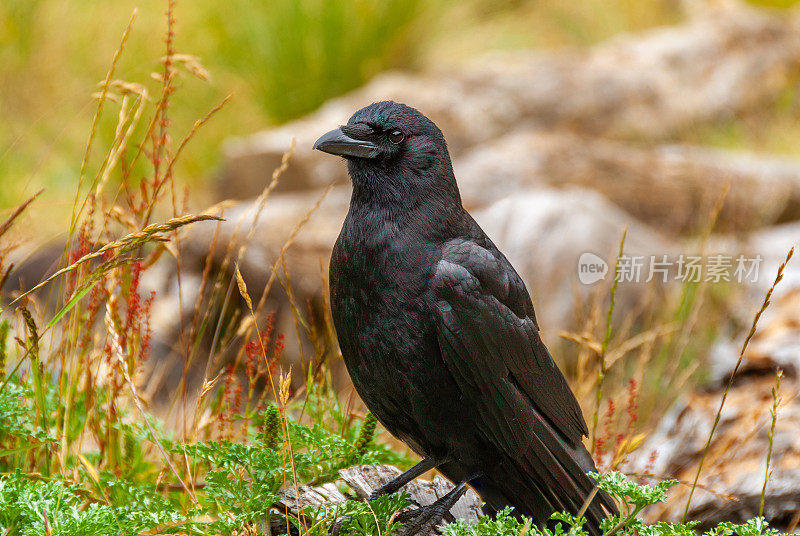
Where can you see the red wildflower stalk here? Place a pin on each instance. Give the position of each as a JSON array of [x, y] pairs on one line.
[[651, 461], [97, 297], [632, 408], [604, 440], [148, 333], [132, 305], [225, 403]]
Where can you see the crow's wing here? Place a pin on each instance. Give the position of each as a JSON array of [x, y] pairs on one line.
[[486, 314], [490, 342]]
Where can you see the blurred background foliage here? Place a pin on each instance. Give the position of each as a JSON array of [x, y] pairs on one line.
[[281, 59]]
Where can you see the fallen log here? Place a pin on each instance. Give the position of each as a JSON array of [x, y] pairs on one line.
[[671, 187], [646, 86]]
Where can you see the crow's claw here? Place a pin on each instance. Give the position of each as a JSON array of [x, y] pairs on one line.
[[421, 521]]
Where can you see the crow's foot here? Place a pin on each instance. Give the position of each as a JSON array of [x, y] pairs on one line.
[[422, 520]]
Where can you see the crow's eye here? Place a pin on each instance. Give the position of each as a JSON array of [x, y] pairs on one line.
[[396, 136]]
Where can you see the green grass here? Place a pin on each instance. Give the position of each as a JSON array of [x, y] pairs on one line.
[[299, 53], [236, 481], [280, 60]]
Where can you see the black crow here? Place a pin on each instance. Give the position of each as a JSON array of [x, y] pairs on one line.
[[439, 334]]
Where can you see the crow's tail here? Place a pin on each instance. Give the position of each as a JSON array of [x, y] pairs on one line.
[[529, 499]]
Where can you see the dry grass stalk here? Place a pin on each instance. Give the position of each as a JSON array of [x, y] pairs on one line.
[[693, 316], [261, 200], [128, 120], [125, 244], [168, 173], [227, 259], [6, 225], [718, 415], [287, 245], [246, 326], [646, 337], [641, 339], [776, 400], [297, 316], [122, 360], [281, 394]]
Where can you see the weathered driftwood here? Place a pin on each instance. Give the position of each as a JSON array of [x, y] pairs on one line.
[[364, 479], [733, 472], [647, 85], [671, 187]]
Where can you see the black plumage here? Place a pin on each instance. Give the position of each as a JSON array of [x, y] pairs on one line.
[[438, 331]]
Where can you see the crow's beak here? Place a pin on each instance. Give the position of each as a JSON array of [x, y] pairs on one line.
[[338, 143]]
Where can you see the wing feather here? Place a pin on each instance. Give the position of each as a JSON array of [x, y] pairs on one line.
[[490, 342], [489, 305]]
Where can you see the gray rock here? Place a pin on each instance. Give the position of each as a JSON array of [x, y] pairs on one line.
[[545, 232], [733, 473]]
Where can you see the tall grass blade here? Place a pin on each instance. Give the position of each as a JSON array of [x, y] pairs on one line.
[[601, 372]]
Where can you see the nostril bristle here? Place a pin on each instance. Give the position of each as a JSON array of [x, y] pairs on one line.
[[357, 130]]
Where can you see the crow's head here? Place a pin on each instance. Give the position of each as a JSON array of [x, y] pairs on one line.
[[390, 137]]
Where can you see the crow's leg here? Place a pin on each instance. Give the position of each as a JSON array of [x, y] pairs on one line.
[[395, 484], [425, 518], [401, 480]]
